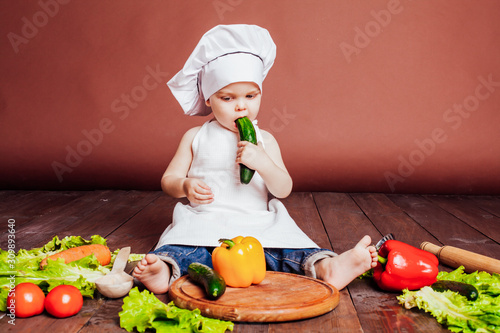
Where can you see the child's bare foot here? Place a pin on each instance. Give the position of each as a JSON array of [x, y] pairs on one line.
[[339, 271], [153, 273]]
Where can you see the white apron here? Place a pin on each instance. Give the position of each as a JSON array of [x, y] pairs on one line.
[[237, 209]]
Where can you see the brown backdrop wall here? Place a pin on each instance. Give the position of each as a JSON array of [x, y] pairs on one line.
[[387, 96]]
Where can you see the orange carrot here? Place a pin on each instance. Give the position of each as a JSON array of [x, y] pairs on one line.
[[101, 252]]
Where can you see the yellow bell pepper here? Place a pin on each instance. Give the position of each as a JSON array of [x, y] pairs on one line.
[[240, 261]]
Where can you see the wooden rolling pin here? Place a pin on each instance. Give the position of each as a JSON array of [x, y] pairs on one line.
[[456, 257]]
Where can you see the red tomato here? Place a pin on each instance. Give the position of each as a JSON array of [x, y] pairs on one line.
[[26, 300], [64, 301]]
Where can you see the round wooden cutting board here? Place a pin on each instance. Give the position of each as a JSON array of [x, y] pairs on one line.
[[280, 297]]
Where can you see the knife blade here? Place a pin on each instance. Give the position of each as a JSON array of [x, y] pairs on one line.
[[383, 240]]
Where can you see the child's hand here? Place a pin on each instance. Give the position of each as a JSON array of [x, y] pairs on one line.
[[252, 156], [197, 191]]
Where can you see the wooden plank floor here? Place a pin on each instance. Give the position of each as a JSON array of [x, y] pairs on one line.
[[332, 220]]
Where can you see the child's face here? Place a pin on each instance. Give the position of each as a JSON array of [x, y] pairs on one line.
[[234, 101]]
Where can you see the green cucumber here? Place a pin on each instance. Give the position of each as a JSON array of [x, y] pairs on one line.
[[463, 289], [214, 284], [247, 133]]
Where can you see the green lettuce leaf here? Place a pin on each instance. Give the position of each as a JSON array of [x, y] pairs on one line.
[[136, 257], [143, 310], [484, 282], [456, 311]]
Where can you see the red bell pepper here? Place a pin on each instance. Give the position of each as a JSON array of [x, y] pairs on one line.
[[402, 266]]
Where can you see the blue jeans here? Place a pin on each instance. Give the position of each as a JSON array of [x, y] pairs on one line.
[[297, 261]]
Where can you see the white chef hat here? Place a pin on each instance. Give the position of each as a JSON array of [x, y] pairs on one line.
[[224, 55]]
